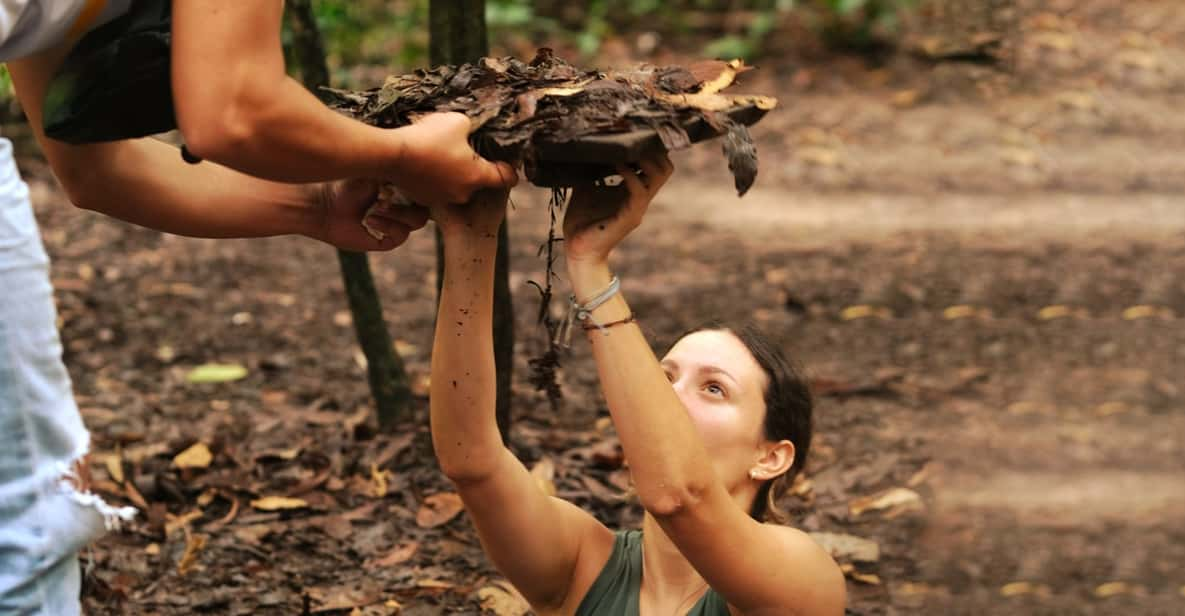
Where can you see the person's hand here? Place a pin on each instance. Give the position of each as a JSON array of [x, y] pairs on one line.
[[438, 167], [477, 218], [341, 207], [599, 217]]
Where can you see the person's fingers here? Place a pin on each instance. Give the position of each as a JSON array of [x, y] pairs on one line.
[[358, 189], [391, 240], [664, 163], [652, 168], [632, 182], [379, 223], [639, 195], [411, 216], [666, 169], [495, 174]]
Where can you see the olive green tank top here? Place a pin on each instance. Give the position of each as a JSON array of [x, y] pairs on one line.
[[616, 589]]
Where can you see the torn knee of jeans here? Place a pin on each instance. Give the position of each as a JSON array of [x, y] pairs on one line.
[[79, 475], [76, 482]]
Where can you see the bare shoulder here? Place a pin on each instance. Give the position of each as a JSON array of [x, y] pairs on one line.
[[817, 577], [794, 541], [596, 545]]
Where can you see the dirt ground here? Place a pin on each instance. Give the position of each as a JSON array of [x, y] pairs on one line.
[[982, 271]]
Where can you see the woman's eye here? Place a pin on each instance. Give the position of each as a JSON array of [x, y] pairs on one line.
[[715, 389], [670, 377]]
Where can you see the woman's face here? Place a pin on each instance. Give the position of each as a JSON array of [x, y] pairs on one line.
[[723, 389]]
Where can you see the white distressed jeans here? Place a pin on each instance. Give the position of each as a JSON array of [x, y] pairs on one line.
[[44, 519]]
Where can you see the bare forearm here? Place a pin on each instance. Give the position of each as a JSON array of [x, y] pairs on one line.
[[667, 461], [236, 105], [145, 182], [285, 134], [464, 430]]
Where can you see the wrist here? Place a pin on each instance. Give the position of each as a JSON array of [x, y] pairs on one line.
[[311, 216], [588, 277]]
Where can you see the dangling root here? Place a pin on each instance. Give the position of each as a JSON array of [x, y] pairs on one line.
[[543, 367]]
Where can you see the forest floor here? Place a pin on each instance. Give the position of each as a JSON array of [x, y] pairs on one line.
[[982, 271]]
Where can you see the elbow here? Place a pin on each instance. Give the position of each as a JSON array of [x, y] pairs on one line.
[[219, 136], [669, 501], [463, 465], [220, 128], [462, 472], [83, 187]]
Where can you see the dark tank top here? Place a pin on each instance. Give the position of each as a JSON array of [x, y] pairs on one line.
[[616, 589]]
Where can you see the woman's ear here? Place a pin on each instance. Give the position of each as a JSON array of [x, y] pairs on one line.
[[775, 459]]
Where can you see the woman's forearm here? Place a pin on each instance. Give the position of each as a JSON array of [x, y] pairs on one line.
[[667, 460], [462, 397]]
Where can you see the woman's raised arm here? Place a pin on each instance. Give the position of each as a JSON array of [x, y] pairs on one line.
[[534, 540], [757, 568]]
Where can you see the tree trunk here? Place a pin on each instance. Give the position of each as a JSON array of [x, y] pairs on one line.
[[458, 35], [385, 370]]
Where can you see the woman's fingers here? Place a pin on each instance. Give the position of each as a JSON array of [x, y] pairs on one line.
[[630, 178]]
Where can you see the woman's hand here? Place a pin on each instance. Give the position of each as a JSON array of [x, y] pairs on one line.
[[599, 217], [479, 218], [341, 207]]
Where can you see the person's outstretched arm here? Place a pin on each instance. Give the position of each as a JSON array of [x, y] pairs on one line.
[[534, 540], [236, 106], [145, 182], [758, 568]]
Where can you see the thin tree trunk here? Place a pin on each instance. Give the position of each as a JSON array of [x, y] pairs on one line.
[[385, 370], [458, 35]]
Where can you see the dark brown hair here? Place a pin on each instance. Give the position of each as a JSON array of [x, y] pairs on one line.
[[788, 409]]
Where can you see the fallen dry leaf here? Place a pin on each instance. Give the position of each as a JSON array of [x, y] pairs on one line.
[[180, 521], [397, 556], [206, 497], [848, 547], [338, 599], [964, 311], [380, 479], [849, 571], [197, 456], [1114, 407], [852, 313], [922, 476], [599, 491], [917, 589], [802, 487], [254, 534], [278, 454], [1049, 313], [906, 98], [278, 503], [1135, 313], [1016, 589], [216, 373], [438, 509], [193, 546], [895, 500], [503, 600], [1113, 589], [114, 464], [433, 584]]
